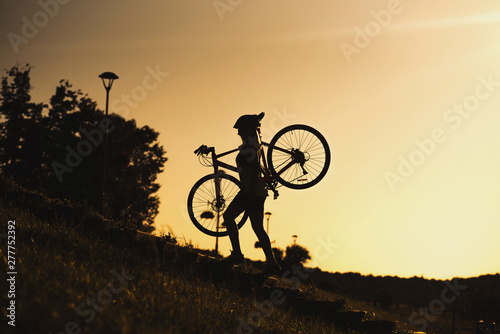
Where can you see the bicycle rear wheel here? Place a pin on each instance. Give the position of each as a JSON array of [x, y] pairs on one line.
[[305, 150], [203, 208]]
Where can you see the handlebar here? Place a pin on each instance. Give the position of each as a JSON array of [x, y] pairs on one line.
[[204, 149]]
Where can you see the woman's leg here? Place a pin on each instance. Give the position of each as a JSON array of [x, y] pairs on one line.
[[233, 211], [257, 219]]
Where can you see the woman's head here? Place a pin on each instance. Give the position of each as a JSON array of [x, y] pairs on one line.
[[248, 126], [249, 121]]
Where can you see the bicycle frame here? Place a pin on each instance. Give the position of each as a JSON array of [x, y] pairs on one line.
[[293, 152], [269, 178], [266, 171]]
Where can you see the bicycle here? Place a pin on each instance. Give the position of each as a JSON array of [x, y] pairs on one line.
[[298, 157]]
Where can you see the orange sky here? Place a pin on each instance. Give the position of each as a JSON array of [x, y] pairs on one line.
[[380, 80]]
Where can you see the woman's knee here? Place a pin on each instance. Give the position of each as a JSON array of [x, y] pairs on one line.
[[258, 227]]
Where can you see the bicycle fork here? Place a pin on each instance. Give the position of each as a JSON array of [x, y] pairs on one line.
[[216, 206]]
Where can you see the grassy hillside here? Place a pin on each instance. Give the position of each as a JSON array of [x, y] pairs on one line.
[[79, 273], [76, 272]]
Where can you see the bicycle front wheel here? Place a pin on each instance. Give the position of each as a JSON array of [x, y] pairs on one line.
[[299, 156], [204, 209]]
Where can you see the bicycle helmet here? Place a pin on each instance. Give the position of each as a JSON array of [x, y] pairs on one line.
[[249, 121]]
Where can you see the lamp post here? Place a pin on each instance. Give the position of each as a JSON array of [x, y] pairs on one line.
[[268, 216], [107, 81], [294, 238]]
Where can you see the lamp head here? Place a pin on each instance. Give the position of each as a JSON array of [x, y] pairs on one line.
[[107, 79]]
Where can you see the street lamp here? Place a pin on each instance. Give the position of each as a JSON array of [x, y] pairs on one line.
[[294, 238], [268, 216], [107, 81]]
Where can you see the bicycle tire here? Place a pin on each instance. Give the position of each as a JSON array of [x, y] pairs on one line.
[[201, 201], [306, 140]]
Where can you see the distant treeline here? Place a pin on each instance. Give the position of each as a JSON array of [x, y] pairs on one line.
[[476, 295]]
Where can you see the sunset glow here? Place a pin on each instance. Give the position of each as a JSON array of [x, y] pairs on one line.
[[406, 93]]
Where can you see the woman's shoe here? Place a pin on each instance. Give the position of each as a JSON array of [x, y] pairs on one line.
[[272, 268], [234, 258]]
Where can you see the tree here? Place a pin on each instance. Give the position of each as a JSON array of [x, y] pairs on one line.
[[59, 148], [21, 133], [296, 255]]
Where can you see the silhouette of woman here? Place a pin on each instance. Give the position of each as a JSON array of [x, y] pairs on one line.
[[253, 192]]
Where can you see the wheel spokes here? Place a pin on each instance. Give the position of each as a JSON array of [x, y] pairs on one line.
[[205, 207], [311, 156]]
